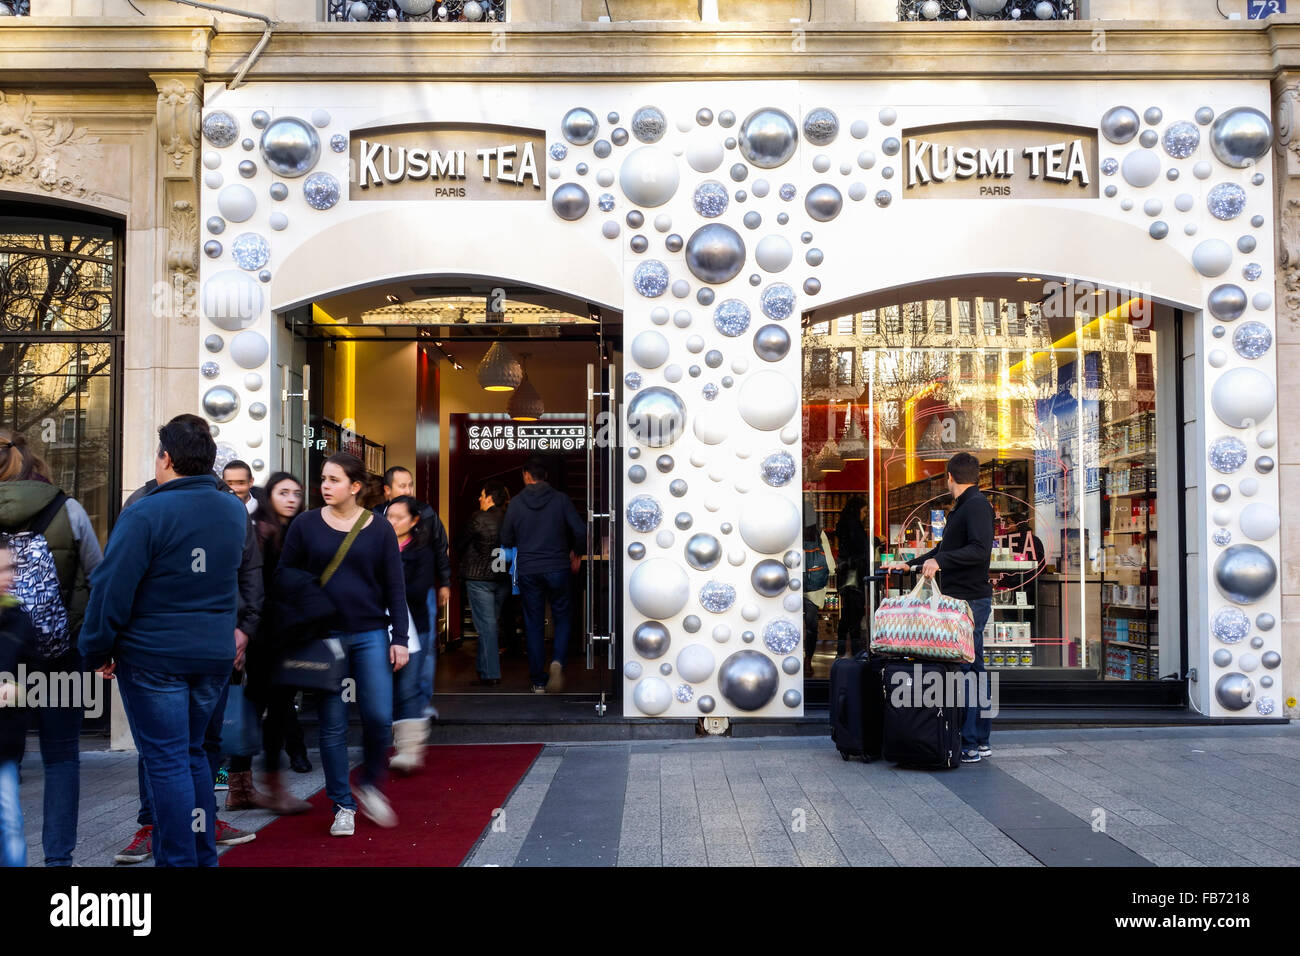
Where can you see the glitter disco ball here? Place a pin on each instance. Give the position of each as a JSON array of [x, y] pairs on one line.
[[1227, 454], [1230, 625], [1226, 201], [717, 597], [684, 693], [1222, 537], [787, 191], [250, 251], [650, 279], [558, 151], [777, 301], [781, 635], [710, 199], [605, 202], [644, 513], [1181, 139], [321, 190], [731, 317], [709, 391], [338, 142], [778, 468], [1252, 271], [1252, 339], [632, 380], [1109, 166]]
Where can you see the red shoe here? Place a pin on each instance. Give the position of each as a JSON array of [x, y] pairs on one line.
[[139, 849]]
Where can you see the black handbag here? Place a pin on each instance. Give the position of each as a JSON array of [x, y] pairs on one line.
[[314, 660]]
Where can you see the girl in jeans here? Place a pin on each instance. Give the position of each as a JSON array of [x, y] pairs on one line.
[[369, 592], [410, 728]]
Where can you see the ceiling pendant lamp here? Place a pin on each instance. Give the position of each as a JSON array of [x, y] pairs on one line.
[[828, 459], [499, 371], [852, 445], [525, 403]]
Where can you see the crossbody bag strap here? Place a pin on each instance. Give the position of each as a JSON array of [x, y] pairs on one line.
[[342, 552]]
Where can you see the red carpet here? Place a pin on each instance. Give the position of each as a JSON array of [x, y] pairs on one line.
[[441, 812]]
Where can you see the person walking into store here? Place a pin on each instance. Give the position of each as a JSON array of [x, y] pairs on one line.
[[854, 564], [818, 566], [962, 562], [543, 524], [410, 725], [17, 647], [161, 620], [30, 503], [369, 594], [485, 584], [279, 502], [399, 482]]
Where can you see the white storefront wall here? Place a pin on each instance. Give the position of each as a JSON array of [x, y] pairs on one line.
[[736, 486]]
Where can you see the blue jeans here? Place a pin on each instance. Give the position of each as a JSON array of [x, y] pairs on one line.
[[485, 601], [975, 729], [429, 662], [368, 666], [408, 683], [60, 736], [169, 715], [534, 591], [211, 747], [13, 844]]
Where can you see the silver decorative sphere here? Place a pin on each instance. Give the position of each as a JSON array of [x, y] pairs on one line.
[[691, 624], [632, 670], [216, 225], [257, 411], [1241, 137], [791, 665], [1271, 659], [209, 369], [1264, 464], [706, 704], [1221, 493], [1227, 302], [1120, 124], [651, 640], [640, 244], [715, 253], [213, 343], [656, 416], [290, 147], [579, 126], [248, 169], [1265, 621], [883, 198], [1149, 138], [792, 698], [823, 202], [812, 286], [769, 577], [1222, 657], [1158, 230], [221, 403], [748, 680], [677, 488], [570, 202], [772, 343], [636, 474], [748, 637], [636, 550], [683, 520], [1204, 115], [212, 249], [1245, 573], [768, 137], [1234, 691], [665, 464]]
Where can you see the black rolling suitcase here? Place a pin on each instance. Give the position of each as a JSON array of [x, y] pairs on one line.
[[857, 701], [915, 735]]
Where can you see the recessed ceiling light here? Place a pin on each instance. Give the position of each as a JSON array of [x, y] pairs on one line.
[[392, 298]]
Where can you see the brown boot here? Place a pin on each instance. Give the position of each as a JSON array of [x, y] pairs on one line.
[[279, 800], [242, 795]]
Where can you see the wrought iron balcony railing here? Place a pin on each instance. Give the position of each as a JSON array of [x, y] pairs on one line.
[[392, 11], [1030, 11]]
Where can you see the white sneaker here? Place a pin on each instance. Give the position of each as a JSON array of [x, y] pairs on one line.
[[345, 822], [375, 806]]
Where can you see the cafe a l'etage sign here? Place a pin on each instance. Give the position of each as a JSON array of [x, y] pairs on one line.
[[447, 161], [999, 160]]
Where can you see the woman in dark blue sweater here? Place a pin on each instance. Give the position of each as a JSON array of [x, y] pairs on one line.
[[369, 593]]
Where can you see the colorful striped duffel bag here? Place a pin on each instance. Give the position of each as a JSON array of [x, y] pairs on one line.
[[932, 627]]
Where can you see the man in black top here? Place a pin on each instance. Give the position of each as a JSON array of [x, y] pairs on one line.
[[962, 558]]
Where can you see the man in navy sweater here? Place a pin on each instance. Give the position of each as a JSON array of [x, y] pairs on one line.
[[545, 527], [161, 619]]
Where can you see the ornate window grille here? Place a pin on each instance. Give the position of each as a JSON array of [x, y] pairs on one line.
[[15, 8], [393, 11], [1030, 11]]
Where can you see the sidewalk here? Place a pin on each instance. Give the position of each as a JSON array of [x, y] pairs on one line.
[[1129, 797]]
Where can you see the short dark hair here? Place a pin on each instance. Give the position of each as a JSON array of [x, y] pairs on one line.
[[535, 468], [391, 473], [189, 441], [964, 468], [237, 463], [497, 492], [351, 465], [413, 508]]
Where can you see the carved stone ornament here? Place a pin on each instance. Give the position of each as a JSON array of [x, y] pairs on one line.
[[183, 254], [45, 151], [1288, 202], [178, 126]]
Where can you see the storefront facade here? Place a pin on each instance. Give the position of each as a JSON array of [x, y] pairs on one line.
[[1082, 279]]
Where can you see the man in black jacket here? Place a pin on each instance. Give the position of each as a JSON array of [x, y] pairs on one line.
[[962, 559], [545, 527]]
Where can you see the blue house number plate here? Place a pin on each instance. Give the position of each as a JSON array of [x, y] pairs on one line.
[[1261, 9]]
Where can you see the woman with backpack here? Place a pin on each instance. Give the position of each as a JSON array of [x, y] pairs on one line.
[[54, 543], [818, 566], [365, 585], [854, 566]]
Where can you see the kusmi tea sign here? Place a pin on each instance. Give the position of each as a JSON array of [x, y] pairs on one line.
[[447, 161], [1000, 160]]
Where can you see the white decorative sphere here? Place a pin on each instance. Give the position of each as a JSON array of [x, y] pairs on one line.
[[652, 696], [658, 588], [1243, 397], [767, 400], [703, 152], [773, 253], [237, 203], [249, 349], [648, 176], [770, 523], [649, 349], [232, 300], [695, 663], [711, 426], [1260, 521]]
